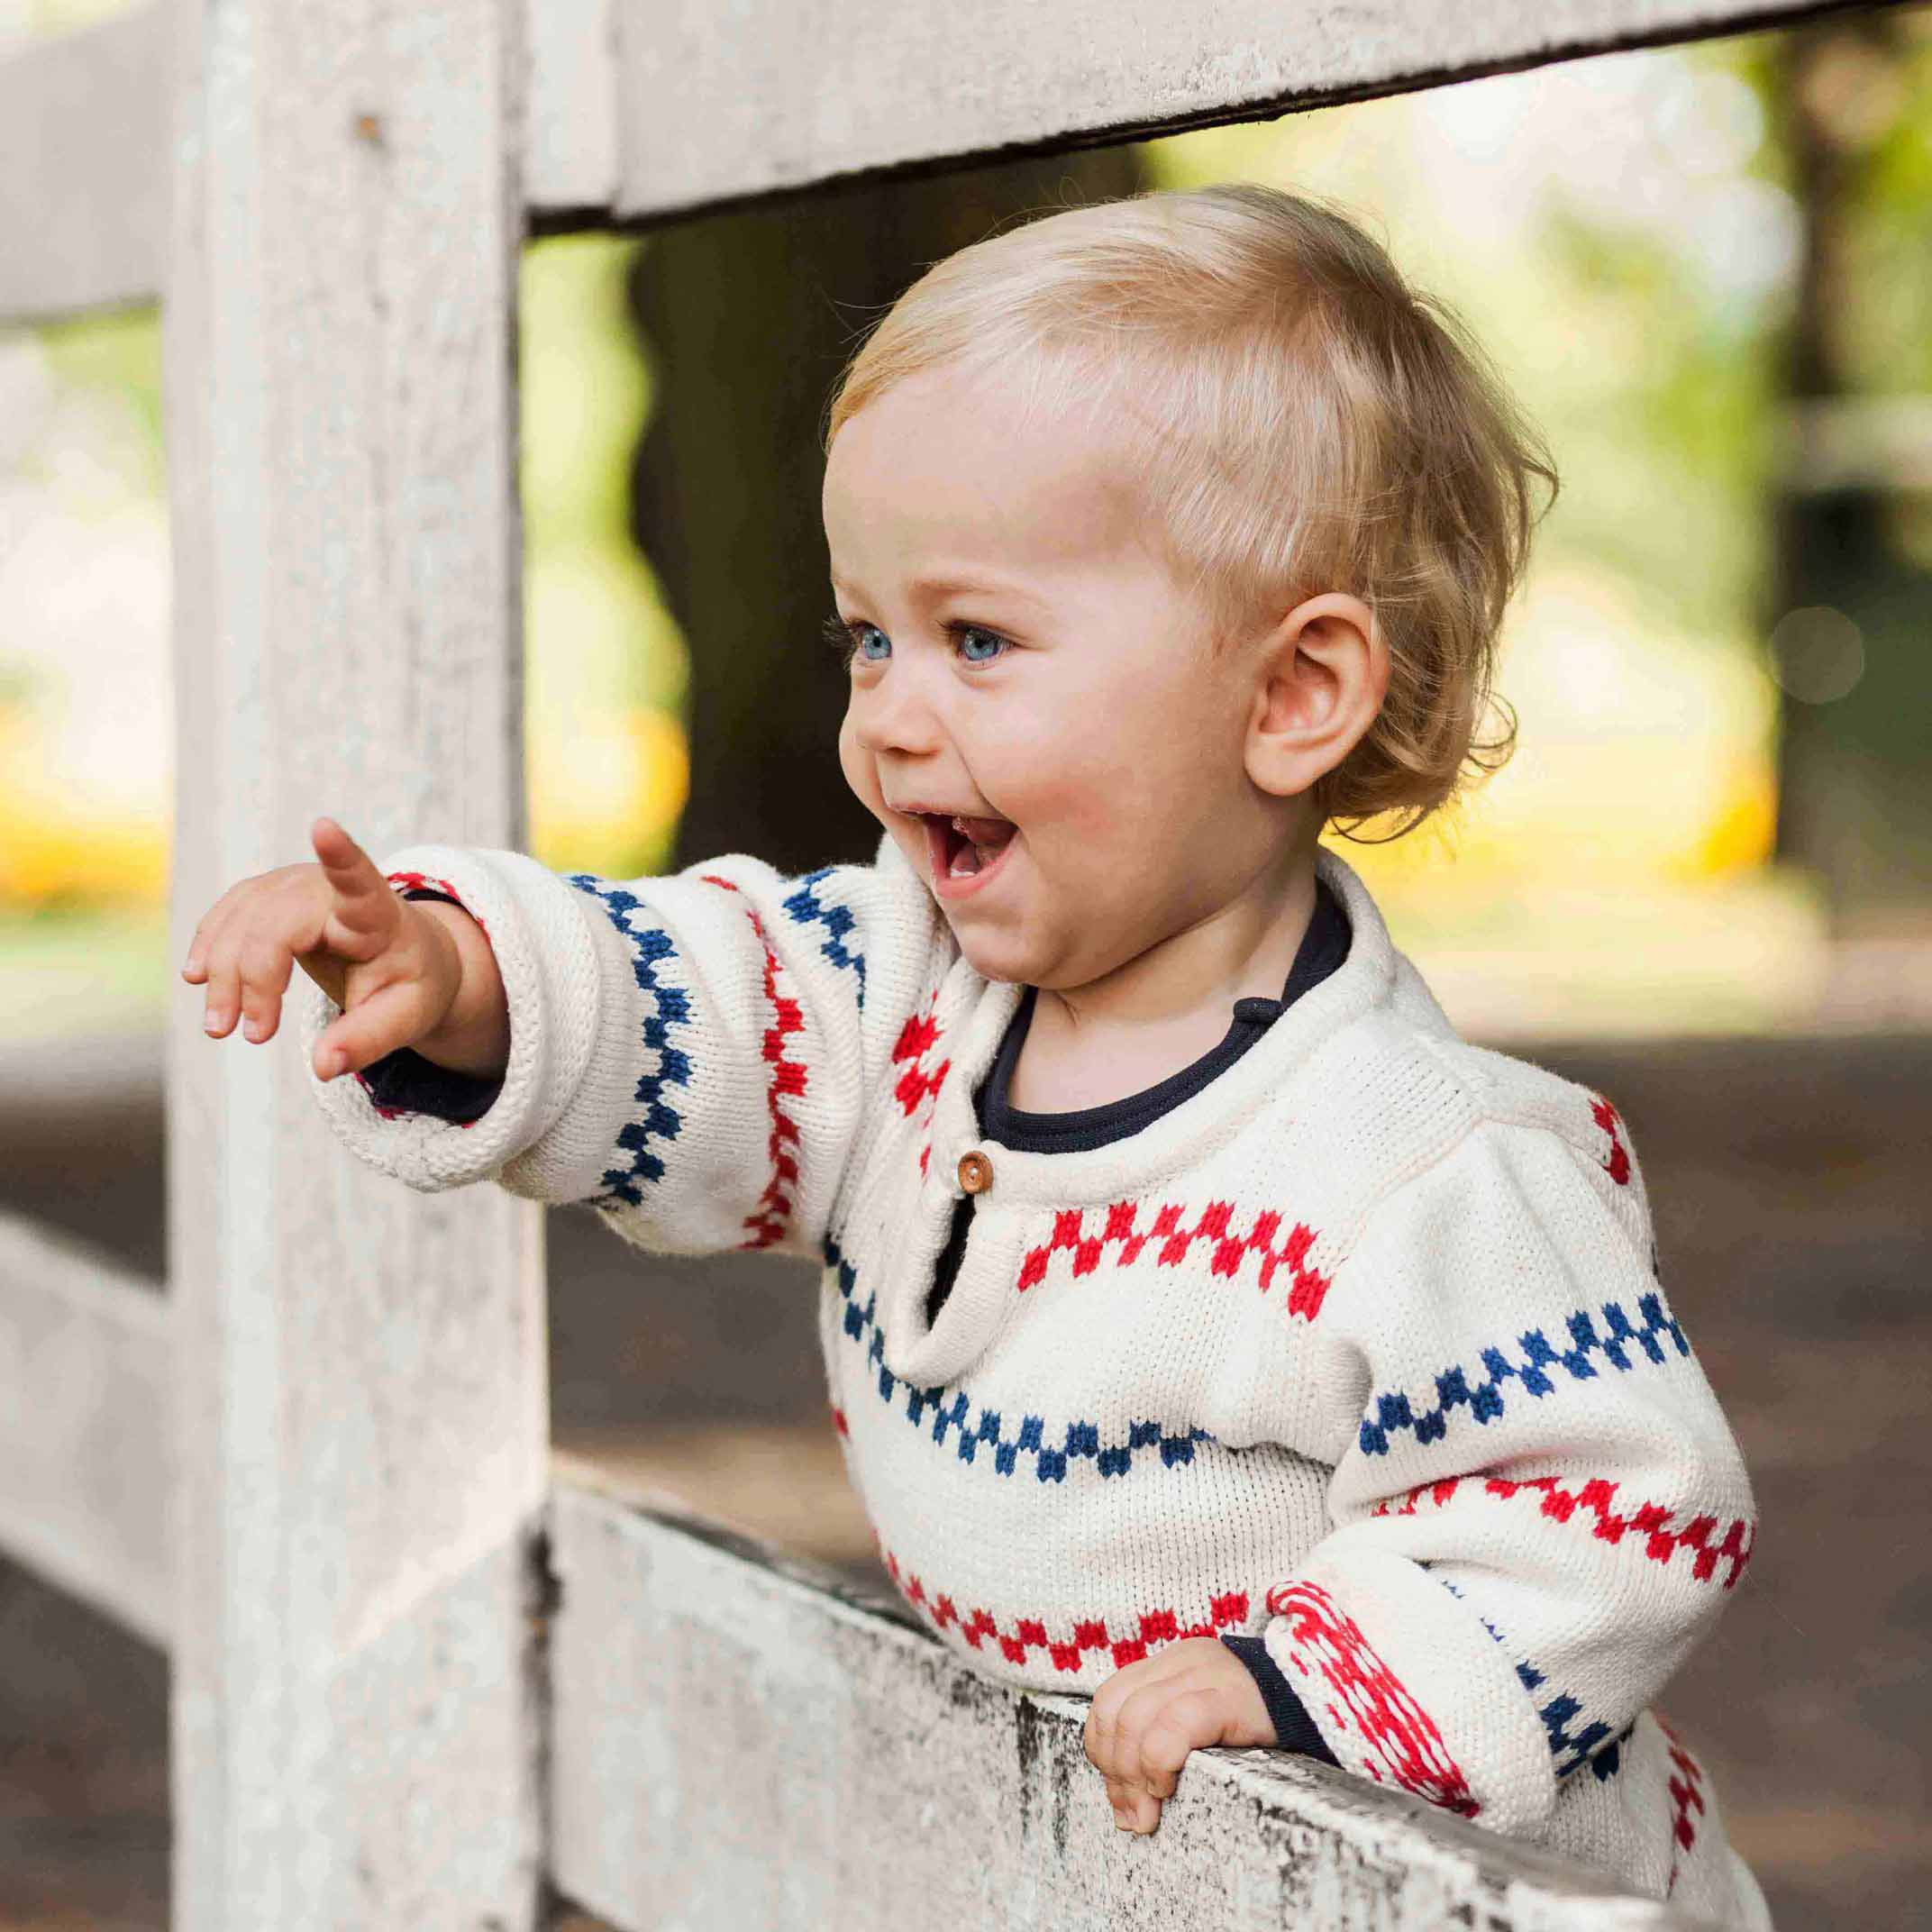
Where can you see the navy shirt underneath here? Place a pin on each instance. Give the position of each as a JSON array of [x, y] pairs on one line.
[[405, 1082]]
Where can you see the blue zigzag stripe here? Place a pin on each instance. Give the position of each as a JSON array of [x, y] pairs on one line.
[[1484, 1401], [1593, 1744], [1570, 1751], [807, 908], [672, 1008], [986, 1431]]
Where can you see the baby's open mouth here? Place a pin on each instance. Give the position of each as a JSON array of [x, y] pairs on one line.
[[962, 847]]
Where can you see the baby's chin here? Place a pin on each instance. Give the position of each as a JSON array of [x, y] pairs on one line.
[[992, 952], [1004, 954]]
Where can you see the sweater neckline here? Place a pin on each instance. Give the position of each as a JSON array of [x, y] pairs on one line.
[[1076, 1130], [974, 1013], [981, 1010]]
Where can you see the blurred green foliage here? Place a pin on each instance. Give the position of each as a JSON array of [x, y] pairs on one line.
[[120, 354]]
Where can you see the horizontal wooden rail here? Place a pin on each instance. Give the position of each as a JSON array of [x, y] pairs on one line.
[[87, 1437], [84, 168], [633, 113], [739, 1738], [736, 1740], [847, 88]]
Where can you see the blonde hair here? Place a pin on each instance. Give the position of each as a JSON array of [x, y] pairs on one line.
[[1305, 421]]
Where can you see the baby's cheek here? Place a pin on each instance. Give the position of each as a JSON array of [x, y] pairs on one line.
[[862, 772], [1051, 782], [1086, 814]]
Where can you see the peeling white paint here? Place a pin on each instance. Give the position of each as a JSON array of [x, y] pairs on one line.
[[741, 1742], [87, 1449], [637, 110], [360, 1400]]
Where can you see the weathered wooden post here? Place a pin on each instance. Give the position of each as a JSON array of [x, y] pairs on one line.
[[361, 1398]]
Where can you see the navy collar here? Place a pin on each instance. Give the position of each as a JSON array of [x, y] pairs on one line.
[[1323, 947]]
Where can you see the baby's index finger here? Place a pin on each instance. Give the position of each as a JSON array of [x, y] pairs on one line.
[[363, 901], [350, 870]]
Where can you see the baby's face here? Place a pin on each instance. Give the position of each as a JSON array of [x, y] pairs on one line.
[[1034, 714]]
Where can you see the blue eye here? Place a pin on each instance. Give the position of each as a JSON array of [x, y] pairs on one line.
[[865, 643], [977, 645], [846, 639]]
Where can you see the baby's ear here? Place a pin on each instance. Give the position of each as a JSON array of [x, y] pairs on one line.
[[1319, 678]]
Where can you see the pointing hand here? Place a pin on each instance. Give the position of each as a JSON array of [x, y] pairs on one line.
[[394, 966]]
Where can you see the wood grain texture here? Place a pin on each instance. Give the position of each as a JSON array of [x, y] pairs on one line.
[[83, 175], [639, 111], [739, 1742], [86, 1443], [362, 1411], [725, 99]]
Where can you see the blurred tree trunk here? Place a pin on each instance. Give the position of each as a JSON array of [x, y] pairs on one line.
[[748, 317], [1856, 752]]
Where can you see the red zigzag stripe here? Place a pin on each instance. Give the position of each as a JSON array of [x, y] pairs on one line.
[[765, 1225], [1687, 1795], [1617, 1163], [1400, 1743], [919, 1086], [1029, 1634], [1652, 1521], [426, 882], [1123, 1228]]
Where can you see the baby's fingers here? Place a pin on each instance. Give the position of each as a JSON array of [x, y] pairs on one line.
[[1184, 1725], [1132, 1810], [265, 967], [216, 964], [201, 947], [375, 1026], [246, 978], [363, 908], [223, 1002]]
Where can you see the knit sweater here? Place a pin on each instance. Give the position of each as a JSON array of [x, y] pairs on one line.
[[1360, 1349], [404, 1080]]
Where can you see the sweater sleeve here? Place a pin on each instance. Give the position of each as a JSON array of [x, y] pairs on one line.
[[688, 1055], [1537, 1508], [1294, 1730], [404, 1082]]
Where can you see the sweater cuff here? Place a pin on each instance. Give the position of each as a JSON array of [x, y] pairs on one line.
[[405, 1082], [1294, 1729]]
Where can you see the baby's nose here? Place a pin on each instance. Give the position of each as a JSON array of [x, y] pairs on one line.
[[893, 715]]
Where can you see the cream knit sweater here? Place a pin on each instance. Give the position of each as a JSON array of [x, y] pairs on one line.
[[1362, 1348]]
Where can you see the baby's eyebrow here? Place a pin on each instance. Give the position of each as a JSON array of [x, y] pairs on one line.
[[934, 588]]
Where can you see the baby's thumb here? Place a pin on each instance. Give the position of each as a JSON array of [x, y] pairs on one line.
[[391, 1018]]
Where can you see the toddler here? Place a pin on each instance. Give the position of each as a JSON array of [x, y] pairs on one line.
[[1208, 1328]]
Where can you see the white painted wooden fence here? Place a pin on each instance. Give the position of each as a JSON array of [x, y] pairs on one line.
[[423, 1669]]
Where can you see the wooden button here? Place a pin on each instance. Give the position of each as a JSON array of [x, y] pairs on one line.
[[976, 1172]]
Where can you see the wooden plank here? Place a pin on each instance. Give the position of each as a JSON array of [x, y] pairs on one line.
[[635, 112], [84, 162], [83, 187], [739, 1742], [356, 1716], [787, 96], [570, 139], [86, 1443]]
